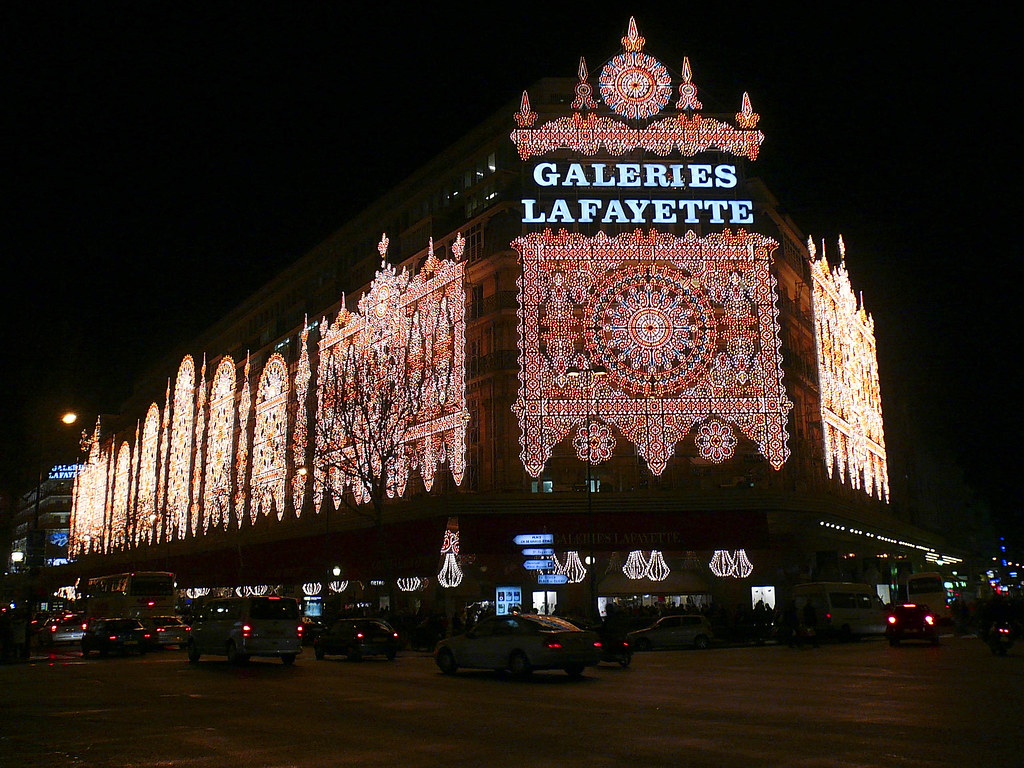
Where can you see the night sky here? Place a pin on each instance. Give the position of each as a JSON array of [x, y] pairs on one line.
[[167, 161]]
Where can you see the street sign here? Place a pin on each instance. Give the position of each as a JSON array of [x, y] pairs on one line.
[[552, 578], [537, 565], [538, 552], [530, 539]]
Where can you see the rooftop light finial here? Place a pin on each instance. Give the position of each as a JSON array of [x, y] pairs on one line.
[[633, 41]]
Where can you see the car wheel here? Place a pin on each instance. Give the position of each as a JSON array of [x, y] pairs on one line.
[[625, 659], [193, 653], [319, 653], [234, 657], [391, 655], [643, 644], [700, 642], [288, 659], [446, 661], [519, 665], [574, 670]]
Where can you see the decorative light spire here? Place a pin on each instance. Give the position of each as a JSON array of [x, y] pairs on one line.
[[525, 117], [747, 117], [584, 91], [687, 90], [382, 247], [458, 246], [633, 41]]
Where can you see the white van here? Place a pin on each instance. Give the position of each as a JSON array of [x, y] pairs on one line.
[[240, 627], [844, 610]]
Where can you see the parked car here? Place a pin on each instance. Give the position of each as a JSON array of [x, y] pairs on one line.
[[911, 622], [521, 643], [240, 627], [68, 629], [356, 638], [122, 636], [166, 631], [673, 632]]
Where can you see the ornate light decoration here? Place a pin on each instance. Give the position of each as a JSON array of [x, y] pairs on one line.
[[311, 588], [635, 566], [735, 564], [179, 471], [269, 447], [851, 404], [242, 459], [195, 508], [119, 504], [450, 573], [657, 568], [407, 342], [594, 443], [220, 454], [337, 586], [633, 84], [195, 592], [686, 329], [584, 92], [573, 568], [413, 584], [715, 441]]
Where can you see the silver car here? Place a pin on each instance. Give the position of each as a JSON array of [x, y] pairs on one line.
[[521, 643], [166, 631], [66, 630], [674, 632]]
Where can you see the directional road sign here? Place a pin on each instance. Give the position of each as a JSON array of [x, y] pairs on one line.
[[538, 552], [552, 578], [532, 539], [537, 565]]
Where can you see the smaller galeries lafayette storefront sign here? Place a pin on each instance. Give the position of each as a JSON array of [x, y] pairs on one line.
[[647, 307]]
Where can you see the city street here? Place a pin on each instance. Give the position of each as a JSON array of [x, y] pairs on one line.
[[858, 704]]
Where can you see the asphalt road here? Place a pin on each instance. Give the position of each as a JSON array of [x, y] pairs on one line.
[[859, 704]]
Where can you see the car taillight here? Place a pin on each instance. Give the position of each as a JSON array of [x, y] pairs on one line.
[[828, 616], [359, 635], [892, 619], [1004, 630], [53, 628], [299, 630], [552, 644], [85, 627], [597, 643], [246, 630], [112, 637], [394, 635], [147, 635], [929, 620], [151, 603], [160, 629]]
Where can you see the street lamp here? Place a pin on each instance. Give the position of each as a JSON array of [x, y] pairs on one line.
[[590, 376]]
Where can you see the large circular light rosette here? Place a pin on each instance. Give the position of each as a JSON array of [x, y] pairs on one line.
[[653, 329], [635, 85]]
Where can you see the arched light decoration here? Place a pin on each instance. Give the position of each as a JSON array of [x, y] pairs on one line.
[[851, 404], [269, 447], [119, 504], [338, 586], [146, 507], [450, 573], [195, 511], [410, 330], [311, 588], [300, 436], [90, 499], [220, 453], [573, 568], [193, 593], [179, 474], [685, 328], [735, 564]]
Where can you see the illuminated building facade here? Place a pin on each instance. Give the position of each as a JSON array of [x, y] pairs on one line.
[[588, 321]]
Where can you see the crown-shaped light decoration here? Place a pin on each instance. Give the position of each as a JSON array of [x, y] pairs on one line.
[[636, 87]]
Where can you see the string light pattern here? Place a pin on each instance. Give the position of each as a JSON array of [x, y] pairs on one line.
[[735, 564], [633, 84], [398, 365], [715, 441], [685, 328], [572, 568], [269, 446], [89, 500], [851, 405], [179, 471], [242, 460], [119, 503], [195, 514], [220, 453]]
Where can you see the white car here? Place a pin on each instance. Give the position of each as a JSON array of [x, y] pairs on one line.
[[673, 632], [521, 643]]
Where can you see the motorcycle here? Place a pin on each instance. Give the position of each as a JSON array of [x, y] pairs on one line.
[[1000, 637], [617, 651]]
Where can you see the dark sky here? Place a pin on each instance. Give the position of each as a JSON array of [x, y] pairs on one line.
[[168, 160]]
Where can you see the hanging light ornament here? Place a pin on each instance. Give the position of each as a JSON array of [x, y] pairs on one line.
[[736, 564], [657, 568], [413, 584], [450, 574], [338, 586], [636, 566], [573, 569], [311, 588]]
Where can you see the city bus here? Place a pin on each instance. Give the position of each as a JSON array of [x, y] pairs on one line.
[[130, 595], [926, 589]]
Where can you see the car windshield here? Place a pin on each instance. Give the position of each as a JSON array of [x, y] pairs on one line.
[[552, 624], [274, 608]]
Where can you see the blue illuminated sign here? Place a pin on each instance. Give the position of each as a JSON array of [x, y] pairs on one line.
[[530, 539], [552, 578], [537, 565], [538, 552]]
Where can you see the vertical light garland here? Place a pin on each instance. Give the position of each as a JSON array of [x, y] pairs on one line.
[[179, 475], [242, 505], [195, 514], [300, 432], [269, 446], [220, 454], [145, 509], [449, 575]]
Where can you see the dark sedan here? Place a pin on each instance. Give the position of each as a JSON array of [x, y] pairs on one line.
[[122, 636], [911, 622], [356, 638]]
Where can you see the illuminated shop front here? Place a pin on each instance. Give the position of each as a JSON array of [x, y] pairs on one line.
[[583, 321]]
